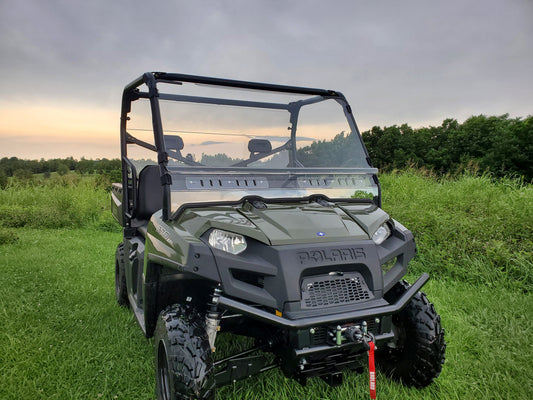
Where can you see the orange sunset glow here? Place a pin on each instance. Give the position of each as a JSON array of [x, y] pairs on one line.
[[58, 131]]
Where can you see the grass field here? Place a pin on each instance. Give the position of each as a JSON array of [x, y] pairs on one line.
[[63, 336]]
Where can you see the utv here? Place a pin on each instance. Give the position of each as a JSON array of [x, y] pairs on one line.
[[254, 209]]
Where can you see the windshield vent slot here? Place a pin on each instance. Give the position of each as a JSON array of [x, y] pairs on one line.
[[225, 182], [349, 181]]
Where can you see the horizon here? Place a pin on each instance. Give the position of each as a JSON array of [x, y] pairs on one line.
[[115, 141]]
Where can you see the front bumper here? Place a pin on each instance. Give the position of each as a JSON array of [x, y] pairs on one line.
[[307, 322]]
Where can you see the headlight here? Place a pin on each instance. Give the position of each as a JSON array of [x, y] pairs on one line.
[[227, 241], [381, 234]]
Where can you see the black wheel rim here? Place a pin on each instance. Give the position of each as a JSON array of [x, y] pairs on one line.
[[162, 373]]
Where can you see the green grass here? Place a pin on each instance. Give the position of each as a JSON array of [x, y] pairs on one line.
[[68, 201], [63, 336], [472, 229]]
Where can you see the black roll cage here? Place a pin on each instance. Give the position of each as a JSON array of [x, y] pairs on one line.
[[132, 93]]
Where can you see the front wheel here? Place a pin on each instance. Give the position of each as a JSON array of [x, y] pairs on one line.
[[183, 362], [418, 355]]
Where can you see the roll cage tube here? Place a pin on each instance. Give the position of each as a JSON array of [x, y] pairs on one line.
[[131, 93], [151, 79]]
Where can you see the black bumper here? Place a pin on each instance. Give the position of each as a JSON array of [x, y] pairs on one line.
[[273, 319]]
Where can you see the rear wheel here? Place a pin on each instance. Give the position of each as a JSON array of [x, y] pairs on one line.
[[420, 349], [183, 362], [121, 292]]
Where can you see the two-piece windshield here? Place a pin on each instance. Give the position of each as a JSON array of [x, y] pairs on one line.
[[225, 143]]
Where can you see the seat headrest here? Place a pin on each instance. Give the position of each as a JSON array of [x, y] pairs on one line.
[[173, 142], [259, 146]]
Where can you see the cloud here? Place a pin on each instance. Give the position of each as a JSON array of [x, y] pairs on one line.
[[411, 61], [211, 142]]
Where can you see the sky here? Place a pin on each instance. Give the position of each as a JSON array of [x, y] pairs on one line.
[[64, 63]]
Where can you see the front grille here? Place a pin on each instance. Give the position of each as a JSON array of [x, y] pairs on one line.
[[326, 290]]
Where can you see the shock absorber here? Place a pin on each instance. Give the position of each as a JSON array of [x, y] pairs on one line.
[[212, 318]]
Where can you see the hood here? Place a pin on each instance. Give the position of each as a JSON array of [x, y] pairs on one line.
[[293, 223]]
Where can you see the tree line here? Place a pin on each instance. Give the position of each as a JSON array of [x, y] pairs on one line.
[[500, 145], [11, 165], [25, 170]]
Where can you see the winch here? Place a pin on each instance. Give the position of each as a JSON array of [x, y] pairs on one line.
[[353, 332]]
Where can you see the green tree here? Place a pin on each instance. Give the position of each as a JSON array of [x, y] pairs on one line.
[[23, 174], [3, 179], [62, 169]]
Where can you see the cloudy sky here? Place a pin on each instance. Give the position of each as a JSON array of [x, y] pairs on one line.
[[64, 63]]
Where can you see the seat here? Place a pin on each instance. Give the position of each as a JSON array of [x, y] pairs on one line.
[[150, 192]]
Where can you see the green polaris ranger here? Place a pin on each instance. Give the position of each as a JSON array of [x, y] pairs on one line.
[[254, 209]]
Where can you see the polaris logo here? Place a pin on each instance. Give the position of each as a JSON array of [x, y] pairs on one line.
[[329, 256]]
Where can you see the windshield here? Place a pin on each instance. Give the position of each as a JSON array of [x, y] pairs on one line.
[[223, 143], [229, 136]]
